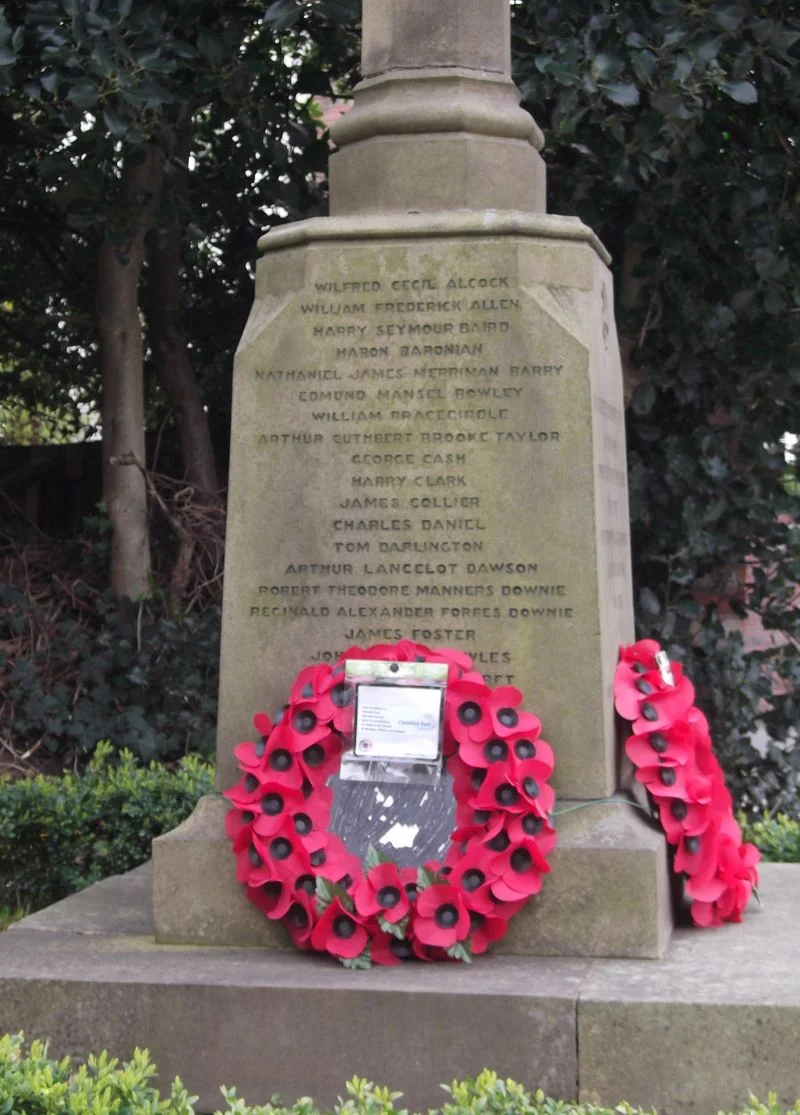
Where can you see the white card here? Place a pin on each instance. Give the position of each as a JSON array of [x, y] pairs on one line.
[[398, 722]]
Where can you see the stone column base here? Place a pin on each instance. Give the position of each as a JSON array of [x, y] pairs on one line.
[[608, 894]]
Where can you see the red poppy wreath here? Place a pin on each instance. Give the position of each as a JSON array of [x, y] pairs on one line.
[[297, 871], [671, 751]]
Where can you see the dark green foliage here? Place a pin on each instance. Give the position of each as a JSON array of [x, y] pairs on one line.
[[78, 668], [149, 685], [59, 834], [656, 140], [777, 837]]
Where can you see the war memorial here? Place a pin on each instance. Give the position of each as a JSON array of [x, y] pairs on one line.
[[428, 444]]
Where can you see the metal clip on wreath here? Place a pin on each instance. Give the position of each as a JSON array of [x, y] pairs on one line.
[[297, 871]]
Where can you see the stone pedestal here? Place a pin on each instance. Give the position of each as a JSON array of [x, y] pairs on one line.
[[430, 445], [608, 895]]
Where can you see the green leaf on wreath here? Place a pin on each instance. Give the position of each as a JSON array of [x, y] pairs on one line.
[[359, 963], [426, 878], [394, 929], [375, 857], [461, 950], [327, 892]]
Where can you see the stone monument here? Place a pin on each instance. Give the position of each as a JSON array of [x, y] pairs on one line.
[[428, 443]]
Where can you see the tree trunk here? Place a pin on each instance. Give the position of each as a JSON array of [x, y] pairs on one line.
[[173, 364], [119, 267]]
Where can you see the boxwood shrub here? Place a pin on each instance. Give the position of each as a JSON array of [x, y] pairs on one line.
[[60, 833], [777, 837], [32, 1083]]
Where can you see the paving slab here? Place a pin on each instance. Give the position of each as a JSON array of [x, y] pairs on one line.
[[716, 1019], [690, 1034]]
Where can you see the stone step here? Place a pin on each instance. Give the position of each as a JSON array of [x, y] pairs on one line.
[[695, 1032]]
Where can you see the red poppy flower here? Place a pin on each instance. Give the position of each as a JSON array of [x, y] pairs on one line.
[[466, 779], [239, 826], [283, 850], [491, 835], [666, 781], [679, 818], [386, 949], [520, 788], [530, 826], [468, 713], [250, 754], [628, 693], [409, 877], [442, 918], [303, 726], [519, 871], [737, 875], [476, 713], [674, 745], [311, 684], [248, 860], [300, 919], [519, 745], [642, 652], [313, 812], [467, 816], [662, 707], [321, 759], [340, 932], [697, 856], [485, 930], [474, 872], [280, 762], [276, 802], [459, 666], [330, 859], [273, 898], [383, 893]]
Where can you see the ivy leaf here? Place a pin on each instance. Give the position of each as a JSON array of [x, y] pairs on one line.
[[397, 929], [282, 14], [649, 602], [644, 398], [461, 950], [742, 91], [115, 124], [607, 66], [359, 963], [621, 93], [83, 94]]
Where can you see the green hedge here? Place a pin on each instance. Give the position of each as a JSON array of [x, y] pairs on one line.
[[777, 837], [31, 1083], [59, 834]]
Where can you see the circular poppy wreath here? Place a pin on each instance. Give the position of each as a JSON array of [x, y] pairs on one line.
[[672, 753], [298, 872]]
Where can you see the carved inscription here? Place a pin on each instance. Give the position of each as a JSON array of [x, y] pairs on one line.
[[421, 384]]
